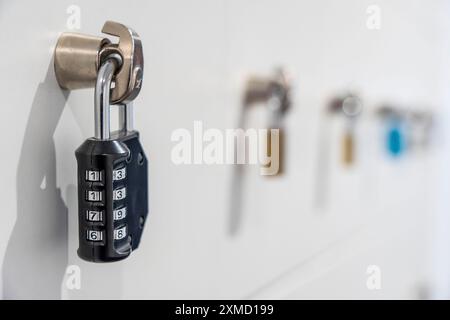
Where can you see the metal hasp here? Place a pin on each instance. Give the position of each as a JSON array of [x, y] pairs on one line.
[[78, 58], [264, 89], [128, 81]]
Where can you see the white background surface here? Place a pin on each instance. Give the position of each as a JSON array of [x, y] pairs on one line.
[[197, 55]]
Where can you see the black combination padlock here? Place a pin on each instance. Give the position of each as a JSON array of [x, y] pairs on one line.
[[112, 167], [112, 180]]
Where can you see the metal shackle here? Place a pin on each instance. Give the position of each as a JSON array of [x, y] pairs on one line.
[[102, 101]]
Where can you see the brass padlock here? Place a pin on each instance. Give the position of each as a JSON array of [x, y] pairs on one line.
[[348, 148], [275, 92]]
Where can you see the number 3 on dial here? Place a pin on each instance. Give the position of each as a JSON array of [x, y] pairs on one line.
[[119, 174], [120, 194]]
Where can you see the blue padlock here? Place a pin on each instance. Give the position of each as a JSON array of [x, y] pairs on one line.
[[395, 138]]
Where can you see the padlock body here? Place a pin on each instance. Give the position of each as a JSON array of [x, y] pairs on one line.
[[112, 196], [275, 151], [348, 156]]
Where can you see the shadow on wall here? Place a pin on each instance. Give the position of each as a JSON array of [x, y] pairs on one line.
[[36, 256]]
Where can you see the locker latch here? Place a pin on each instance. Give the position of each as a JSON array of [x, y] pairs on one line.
[[78, 58]]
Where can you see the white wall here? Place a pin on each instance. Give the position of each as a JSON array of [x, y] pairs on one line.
[[197, 54]]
